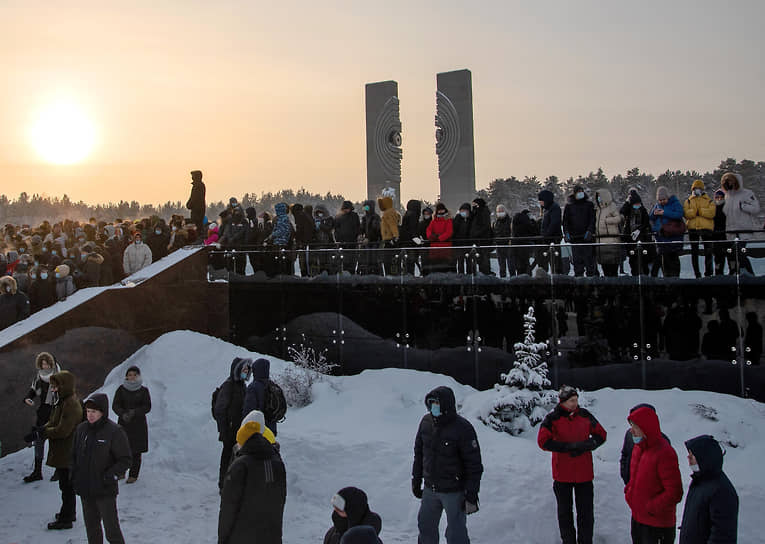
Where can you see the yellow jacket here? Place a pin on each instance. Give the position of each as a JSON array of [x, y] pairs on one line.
[[699, 210], [390, 219]]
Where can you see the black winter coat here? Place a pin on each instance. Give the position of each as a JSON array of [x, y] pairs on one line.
[[158, 245], [551, 224], [100, 453], [230, 403], [235, 233], [460, 230], [253, 495], [42, 293], [131, 408], [13, 308], [255, 396], [579, 218], [636, 220], [370, 224], [304, 228], [524, 228], [196, 202], [480, 224], [503, 230], [409, 223], [446, 451], [358, 513], [347, 227], [710, 515]]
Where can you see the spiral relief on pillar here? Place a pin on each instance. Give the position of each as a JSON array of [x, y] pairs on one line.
[[388, 139], [447, 132]]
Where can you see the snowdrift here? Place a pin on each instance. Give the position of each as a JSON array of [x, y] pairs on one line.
[[360, 431]]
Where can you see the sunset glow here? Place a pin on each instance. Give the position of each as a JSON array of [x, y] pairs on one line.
[[62, 133]]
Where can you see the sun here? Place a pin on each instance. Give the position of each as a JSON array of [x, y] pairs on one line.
[[62, 133]]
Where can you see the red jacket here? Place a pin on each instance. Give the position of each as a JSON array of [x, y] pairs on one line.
[[655, 486], [571, 436], [439, 232]]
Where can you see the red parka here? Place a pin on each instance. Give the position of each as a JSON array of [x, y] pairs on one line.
[[571, 436], [439, 232], [655, 486]]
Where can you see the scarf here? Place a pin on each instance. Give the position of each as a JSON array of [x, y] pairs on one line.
[[134, 385]]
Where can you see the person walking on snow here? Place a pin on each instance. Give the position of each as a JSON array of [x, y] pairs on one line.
[[257, 391], [448, 458], [40, 389], [131, 404], [571, 433], [99, 455], [655, 487]]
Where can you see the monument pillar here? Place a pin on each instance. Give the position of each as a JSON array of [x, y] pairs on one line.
[[383, 141], [454, 138]]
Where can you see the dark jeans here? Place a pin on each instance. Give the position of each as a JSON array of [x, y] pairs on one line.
[[225, 460], [98, 509], [585, 519], [668, 263], [544, 259], [645, 534], [431, 507], [135, 466], [583, 257], [505, 261], [705, 235], [68, 500], [39, 446]]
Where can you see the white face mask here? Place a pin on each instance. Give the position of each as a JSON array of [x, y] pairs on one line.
[[501, 215], [579, 195], [158, 231], [697, 192], [44, 276], [695, 468], [464, 214], [58, 275]]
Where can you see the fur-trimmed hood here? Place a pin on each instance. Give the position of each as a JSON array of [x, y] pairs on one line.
[[8, 281]]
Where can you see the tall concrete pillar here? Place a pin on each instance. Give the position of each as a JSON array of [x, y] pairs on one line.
[[383, 141], [454, 138]]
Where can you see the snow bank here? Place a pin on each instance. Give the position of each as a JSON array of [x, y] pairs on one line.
[[360, 431]]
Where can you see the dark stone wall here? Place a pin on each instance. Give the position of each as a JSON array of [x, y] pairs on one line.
[[95, 336]]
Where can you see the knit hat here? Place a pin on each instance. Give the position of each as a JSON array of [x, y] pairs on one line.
[[133, 369], [254, 422], [662, 193], [720, 192], [697, 184], [347, 205], [566, 392]]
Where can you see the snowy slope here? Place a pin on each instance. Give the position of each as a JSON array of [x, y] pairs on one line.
[[360, 431]]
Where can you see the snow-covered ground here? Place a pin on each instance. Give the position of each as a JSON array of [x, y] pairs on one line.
[[360, 431]]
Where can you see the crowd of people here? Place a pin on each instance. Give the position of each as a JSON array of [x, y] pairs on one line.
[[593, 235], [91, 453]]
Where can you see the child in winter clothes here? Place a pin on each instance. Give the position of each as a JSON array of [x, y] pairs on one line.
[[212, 234], [131, 404], [46, 366]]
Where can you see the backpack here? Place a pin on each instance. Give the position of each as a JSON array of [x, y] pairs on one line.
[[275, 406]]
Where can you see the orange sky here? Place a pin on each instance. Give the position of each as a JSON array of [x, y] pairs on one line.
[[262, 96]]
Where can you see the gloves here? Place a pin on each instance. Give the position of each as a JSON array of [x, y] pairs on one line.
[[417, 487], [471, 505], [587, 236], [128, 415], [635, 234]]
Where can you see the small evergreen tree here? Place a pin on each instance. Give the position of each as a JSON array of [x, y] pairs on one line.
[[522, 399]]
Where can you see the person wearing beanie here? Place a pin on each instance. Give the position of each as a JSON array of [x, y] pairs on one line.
[[255, 488], [550, 230], [654, 487], [448, 458], [100, 453], [637, 228], [408, 232], [439, 234], [579, 231], [228, 403], [711, 507], [668, 227], [60, 429], [40, 389], [350, 509], [196, 203], [136, 256], [131, 403], [347, 231], [699, 211], [741, 216], [461, 235], [571, 433]]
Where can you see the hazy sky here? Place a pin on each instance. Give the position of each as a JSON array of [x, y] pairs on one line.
[[269, 95]]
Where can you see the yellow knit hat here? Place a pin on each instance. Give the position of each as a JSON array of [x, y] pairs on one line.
[[254, 422], [698, 184]]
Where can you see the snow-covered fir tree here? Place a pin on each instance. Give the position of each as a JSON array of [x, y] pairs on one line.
[[522, 399]]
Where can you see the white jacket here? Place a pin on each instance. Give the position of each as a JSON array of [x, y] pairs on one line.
[[741, 209], [136, 257]]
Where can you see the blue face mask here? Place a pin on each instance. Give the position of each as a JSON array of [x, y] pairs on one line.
[[637, 439], [579, 195], [435, 409], [244, 376], [636, 206]]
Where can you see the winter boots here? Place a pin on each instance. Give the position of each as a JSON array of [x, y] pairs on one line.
[[54, 478], [36, 474], [60, 523], [131, 480]]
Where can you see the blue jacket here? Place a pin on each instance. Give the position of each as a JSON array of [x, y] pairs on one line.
[[711, 508], [673, 210]]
